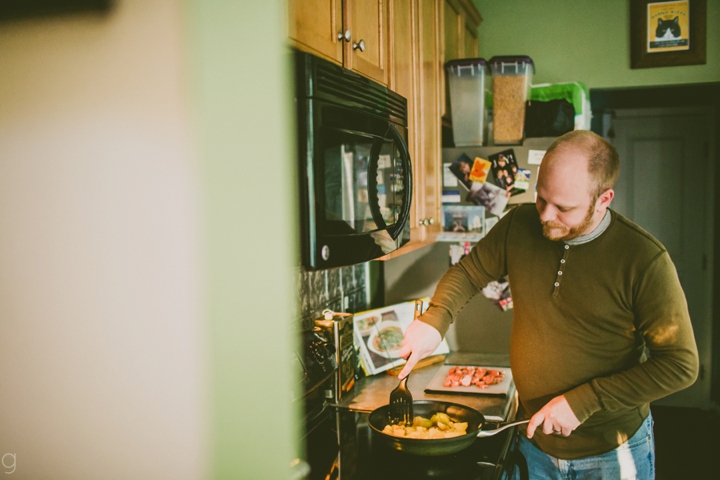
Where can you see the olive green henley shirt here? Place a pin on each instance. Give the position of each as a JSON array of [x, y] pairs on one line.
[[583, 317]]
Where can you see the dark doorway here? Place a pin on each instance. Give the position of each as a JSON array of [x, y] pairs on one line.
[[605, 104], [683, 435]]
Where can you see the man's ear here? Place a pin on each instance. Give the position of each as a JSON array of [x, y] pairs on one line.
[[605, 198]]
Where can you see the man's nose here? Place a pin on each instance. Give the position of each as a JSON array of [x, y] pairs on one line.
[[546, 213]]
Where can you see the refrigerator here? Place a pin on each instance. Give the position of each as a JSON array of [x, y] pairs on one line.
[[528, 156]]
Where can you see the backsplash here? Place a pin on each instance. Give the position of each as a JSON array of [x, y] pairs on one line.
[[342, 289]]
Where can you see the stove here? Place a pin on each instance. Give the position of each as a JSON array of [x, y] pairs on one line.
[[315, 365], [362, 459], [359, 458]]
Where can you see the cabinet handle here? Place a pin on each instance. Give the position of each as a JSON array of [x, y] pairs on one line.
[[426, 221], [360, 45], [430, 221], [344, 36]]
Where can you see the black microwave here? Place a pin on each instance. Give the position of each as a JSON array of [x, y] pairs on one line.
[[354, 166]]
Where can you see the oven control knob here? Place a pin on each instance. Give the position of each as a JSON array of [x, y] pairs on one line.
[[325, 252]]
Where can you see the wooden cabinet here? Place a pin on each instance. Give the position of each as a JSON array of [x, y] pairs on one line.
[[367, 50], [429, 161], [315, 26], [406, 44], [441, 30], [353, 33], [415, 74], [404, 80], [461, 21], [470, 37]]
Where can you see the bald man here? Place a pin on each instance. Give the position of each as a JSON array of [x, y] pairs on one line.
[[591, 292]]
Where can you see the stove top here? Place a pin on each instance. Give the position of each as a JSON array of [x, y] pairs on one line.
[[372, 461]]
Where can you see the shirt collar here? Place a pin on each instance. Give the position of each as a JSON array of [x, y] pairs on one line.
[[602, 226]]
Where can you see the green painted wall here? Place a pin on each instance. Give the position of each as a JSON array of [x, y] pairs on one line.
[[241, 98], [584, 40]]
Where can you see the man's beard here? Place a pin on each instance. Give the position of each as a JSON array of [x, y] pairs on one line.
[[550, 229]]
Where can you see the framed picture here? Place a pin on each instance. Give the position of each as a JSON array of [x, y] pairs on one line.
[[664, 34]]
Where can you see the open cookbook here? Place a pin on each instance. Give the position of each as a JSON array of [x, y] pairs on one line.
[[379, 335]]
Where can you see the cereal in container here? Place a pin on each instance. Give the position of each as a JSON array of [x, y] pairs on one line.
[[511, 79]]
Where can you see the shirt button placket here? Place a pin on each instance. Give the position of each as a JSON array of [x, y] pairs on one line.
[[563, 262]]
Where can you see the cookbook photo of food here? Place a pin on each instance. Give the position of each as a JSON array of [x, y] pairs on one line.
[[379, 335]]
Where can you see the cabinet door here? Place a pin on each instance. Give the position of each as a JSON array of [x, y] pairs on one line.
[[470, 39], [453, 26], [403, 81], [430, 70], [367, 21], [452, 19], [314, 26]]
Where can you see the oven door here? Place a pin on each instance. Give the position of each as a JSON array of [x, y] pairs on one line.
[[361, 186]]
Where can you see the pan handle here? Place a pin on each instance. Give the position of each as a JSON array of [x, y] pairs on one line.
[[489, 433]]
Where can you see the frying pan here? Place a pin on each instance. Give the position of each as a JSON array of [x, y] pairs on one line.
[[379, 418]]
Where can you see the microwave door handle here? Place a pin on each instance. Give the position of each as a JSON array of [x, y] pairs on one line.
[[373, 199], [407, 182]]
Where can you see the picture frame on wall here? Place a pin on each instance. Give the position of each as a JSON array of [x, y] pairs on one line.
[[667, 33]]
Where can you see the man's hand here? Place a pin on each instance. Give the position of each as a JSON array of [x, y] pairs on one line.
[[555, 417], [420, 341]]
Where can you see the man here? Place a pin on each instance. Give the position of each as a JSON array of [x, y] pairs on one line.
[[591, 291]]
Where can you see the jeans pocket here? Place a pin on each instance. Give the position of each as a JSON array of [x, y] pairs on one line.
[[639, 440], [642, 448], [642, 436]]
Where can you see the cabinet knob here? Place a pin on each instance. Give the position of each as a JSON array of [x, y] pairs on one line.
[[426, 221], [430, 221], [344, 36], [360, 45]]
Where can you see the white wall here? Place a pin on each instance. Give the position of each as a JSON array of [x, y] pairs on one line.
[[102, 333]]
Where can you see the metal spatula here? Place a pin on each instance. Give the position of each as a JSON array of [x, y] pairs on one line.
[[401, 404]]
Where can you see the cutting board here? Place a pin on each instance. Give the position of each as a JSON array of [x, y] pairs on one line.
[[502, 388]]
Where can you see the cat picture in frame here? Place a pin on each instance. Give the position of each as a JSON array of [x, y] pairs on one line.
[[668, 26], [668, 30], [657, 39]]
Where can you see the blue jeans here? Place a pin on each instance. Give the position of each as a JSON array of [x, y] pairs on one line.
[[633, 460]]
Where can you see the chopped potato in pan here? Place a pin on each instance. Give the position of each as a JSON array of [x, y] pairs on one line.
[[438, 426]]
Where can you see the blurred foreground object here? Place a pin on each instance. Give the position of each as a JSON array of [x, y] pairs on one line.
[[17, 9]]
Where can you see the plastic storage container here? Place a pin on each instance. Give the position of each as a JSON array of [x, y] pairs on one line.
[[511, 79], [574, 92], [468, 85]]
